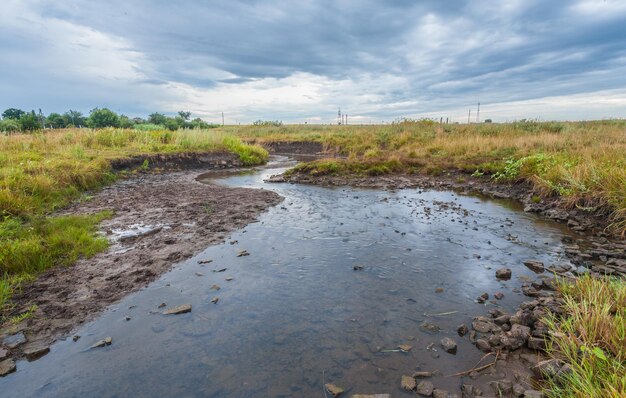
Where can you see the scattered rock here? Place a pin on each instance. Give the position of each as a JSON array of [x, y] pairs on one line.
[[214, 300], [106, 341], [429, 327], [437, 393], [207, 261], [499, 295], [76, 338], [482, 298], [535, 266], [230, 278], [162, 305], [425, 388], [7, 366], [462, 330], [448, 345], [242, 253], [405, 347], [483, 326], [408, 383], [547, 369], [215, 287], [35, 351], [357, 267], [181, 309], [502, 387], [334, 390], [504, 273], [516, 337], [483, 345], [537, 343], [220, 270], [15, 340]]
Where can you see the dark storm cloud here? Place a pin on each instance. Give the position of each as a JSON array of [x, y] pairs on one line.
[[444, 54]]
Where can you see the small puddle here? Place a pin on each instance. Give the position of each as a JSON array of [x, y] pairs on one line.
[[295, 313]]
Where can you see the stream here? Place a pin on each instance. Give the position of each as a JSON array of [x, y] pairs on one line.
[[294, 313]]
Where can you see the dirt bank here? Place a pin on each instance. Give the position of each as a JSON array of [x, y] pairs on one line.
[[159, 219]]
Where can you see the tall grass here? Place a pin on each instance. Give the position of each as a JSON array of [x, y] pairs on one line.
[[42, 173], [591, 338], [584, 163]]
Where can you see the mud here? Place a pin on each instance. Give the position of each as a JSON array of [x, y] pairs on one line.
[[159, 220]]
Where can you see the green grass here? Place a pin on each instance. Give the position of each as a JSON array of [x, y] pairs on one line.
[[591, 338], [42, 173], [582, 163]]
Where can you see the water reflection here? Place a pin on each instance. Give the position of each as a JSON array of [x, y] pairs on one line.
[[295, 311]]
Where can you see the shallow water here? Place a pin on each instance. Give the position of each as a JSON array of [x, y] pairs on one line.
[[296, 313]]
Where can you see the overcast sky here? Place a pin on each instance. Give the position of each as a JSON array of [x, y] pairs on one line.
[[299, 61]]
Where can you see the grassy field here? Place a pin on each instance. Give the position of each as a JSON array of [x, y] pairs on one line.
[[584, 163], [42, 173], [591, 339]]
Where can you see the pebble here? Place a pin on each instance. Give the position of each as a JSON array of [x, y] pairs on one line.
[[448, 345], [181, 309], [408, 383], [334, 390], [425, 388], [214, 300], [504, 273], [102, 343]]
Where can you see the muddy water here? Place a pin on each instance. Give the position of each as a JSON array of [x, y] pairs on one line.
[[296, 313]]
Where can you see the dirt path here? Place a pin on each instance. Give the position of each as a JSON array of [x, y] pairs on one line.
[[180, 217]]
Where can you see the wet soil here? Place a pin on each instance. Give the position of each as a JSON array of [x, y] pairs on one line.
[[159, 219]]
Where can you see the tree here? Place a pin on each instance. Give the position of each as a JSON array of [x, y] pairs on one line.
[[157, 118], [74, 118], [126, 122], [9, 126], [56, 121], [99, 118], [13, 113], [29, 122], [184, 115]]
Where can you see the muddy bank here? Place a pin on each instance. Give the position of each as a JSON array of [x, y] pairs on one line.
[[159, 220]]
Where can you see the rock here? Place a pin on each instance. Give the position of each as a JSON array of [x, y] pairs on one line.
[[547, 369], [483, 345], [462, 330], [3, 353], [7, 366], [502, 387], [334, 390], [533, 394], [437, 393], [439, 290], [530, 359], [207, 261], [371, 396], [482, 326], [429, 327], [181, 309], [230, 278], [162, 305], [535, 266], [358, 267], [422, 375], [35, 351], [515, 338], [408, 383], [518, 390], [504, 273], [482, 298], [499, 295], [537, 343], [469, 391], [405, 347], [15, 340], [214, 300], [448, 345], [501, 320], [215, 287], [425, 388], [102, 343], [242, 253]]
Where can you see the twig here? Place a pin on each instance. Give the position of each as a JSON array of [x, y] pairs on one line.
[[441, 314], [478, 369]]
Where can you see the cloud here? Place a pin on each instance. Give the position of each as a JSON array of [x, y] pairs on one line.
[[298, 61]]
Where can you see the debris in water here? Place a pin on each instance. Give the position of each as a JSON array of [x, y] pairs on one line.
[[215, 287], [214, 300], [242, 253], [181, 309], [207, 261]]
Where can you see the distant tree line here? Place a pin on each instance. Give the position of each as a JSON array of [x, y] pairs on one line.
[[17, 120]]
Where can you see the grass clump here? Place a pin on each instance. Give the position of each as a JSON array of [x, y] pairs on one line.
[[591, 338], [43, 172]]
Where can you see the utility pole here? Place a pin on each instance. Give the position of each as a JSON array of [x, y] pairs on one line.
[[469, 114], [222, 119], [339, 117], [478, 114]]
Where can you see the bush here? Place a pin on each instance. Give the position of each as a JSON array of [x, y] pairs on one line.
[[9, 126], [99, 118]]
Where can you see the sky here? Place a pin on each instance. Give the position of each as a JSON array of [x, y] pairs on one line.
[[299, 61]]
